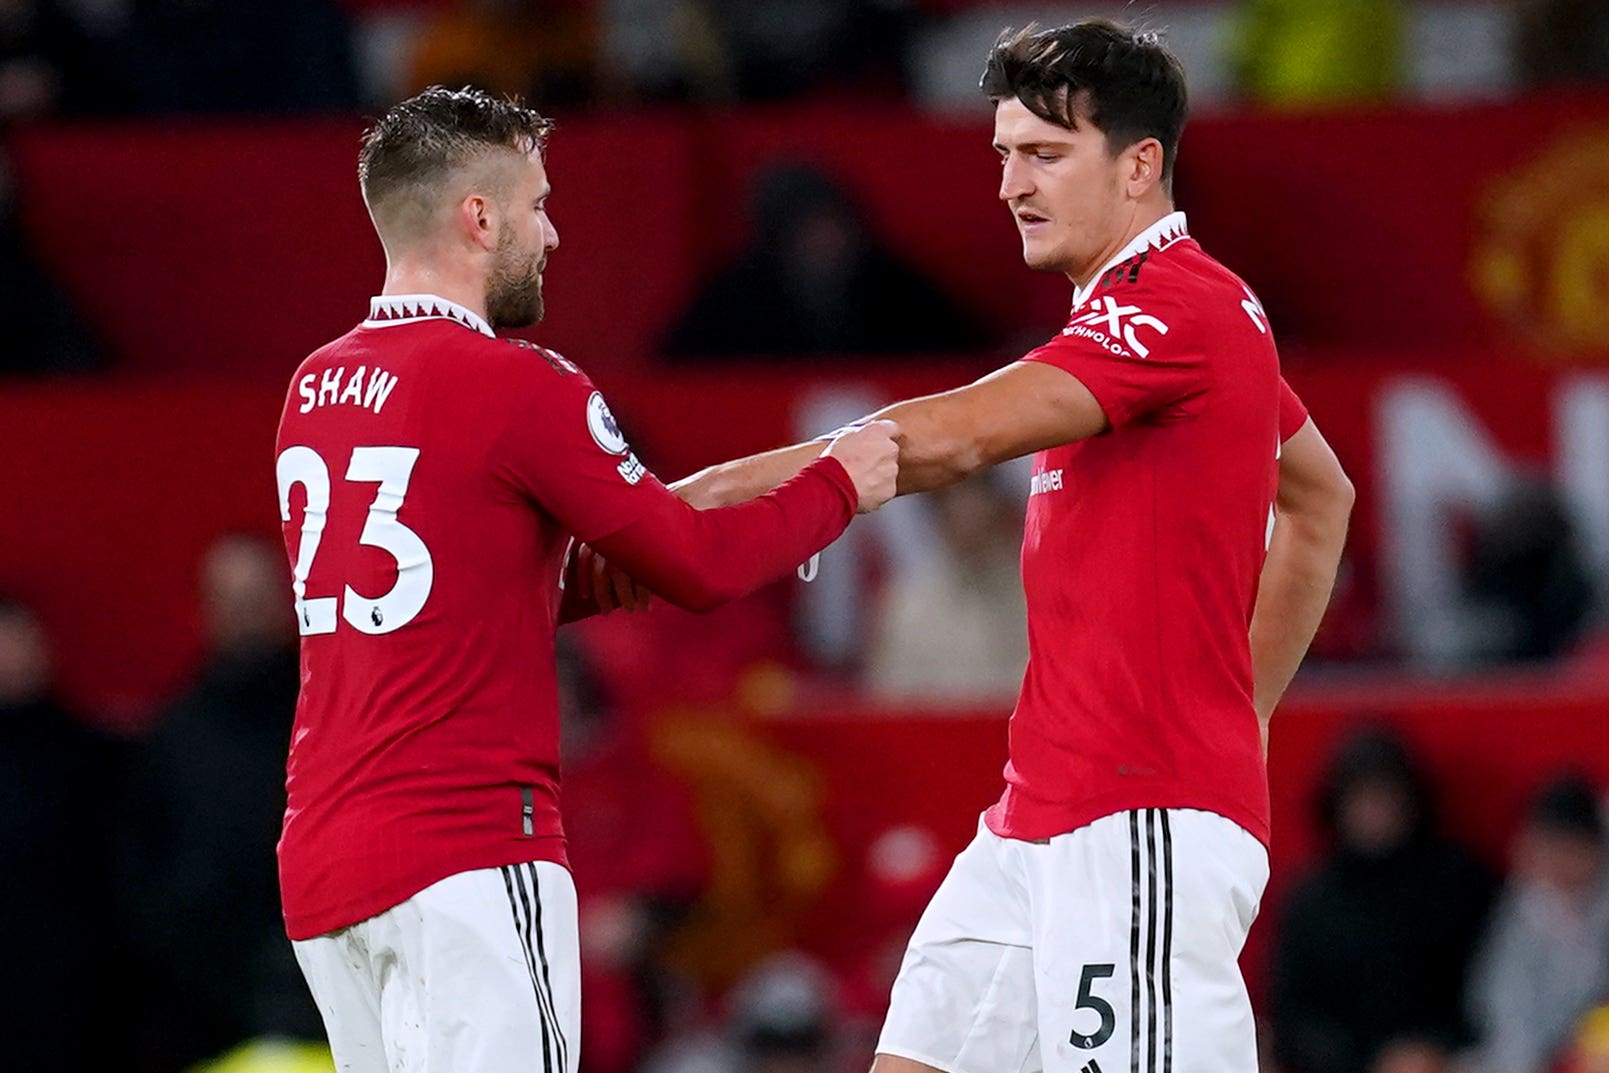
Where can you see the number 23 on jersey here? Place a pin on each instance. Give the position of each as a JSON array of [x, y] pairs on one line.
[[391, 468]]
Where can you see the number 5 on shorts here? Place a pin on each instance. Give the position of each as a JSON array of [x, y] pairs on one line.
[[1087, 1000]]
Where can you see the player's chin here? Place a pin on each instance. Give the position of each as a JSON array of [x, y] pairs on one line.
[[522, 312], [1039, 258]]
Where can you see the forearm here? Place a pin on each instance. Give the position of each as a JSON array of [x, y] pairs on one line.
[[934, 451], [940, 443], [1298, 577], [700, 559], [746, 478], [943, 439]]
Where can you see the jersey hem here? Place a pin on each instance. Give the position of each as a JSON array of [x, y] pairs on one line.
[[1048, 821], [314, 923]]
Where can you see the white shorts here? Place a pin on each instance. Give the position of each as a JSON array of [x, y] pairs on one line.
[[479, 973], [1111, 949]]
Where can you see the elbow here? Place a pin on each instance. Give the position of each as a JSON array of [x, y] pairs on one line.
[[1328, 524], [1321, 505], [1343, 492], [1343, 495], [1320, 517], [1329, 515]]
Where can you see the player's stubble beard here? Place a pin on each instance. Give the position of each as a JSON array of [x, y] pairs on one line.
[[514, 288]]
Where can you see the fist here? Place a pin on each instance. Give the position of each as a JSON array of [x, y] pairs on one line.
[[871, 456]]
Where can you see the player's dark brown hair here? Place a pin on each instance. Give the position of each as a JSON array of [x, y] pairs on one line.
[[423, 140], [1121, 81]]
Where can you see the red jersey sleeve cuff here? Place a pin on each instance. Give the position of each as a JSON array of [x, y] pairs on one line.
[[833, 472]]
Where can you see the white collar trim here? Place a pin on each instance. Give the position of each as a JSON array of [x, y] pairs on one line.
[[1160, 235], [389, 310]]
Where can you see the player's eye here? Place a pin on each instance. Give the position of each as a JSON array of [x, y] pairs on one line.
[[1048, 158]]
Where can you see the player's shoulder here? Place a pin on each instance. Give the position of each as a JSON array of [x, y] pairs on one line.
[[1178, 283], [551, 361], [1178, 272], [556, 388], [532, 374], [506, 364]]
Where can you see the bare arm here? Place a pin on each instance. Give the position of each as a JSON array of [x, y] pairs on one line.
[[699, 559], [1310, 519], [945, 438]]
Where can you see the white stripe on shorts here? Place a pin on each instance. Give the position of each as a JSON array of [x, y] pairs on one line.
[[479, 973]]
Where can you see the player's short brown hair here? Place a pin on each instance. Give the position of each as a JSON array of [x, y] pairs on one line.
[[1120, 80], [423, 140]]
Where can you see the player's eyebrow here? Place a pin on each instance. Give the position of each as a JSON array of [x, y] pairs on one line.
[[1033, 147]]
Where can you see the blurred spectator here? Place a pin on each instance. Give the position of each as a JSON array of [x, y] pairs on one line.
[[756, 49], [205, 56], [206, 803], [30, 83], [89, 43], [1545, 960], [1563, 42], [664, 50], [952, 627], [1372, 948], [43, 333], [54, 841], [131, 57], [815, 281], [1301, 53], [545, 53], [782, 48], [782, 1019], [1528, 575]]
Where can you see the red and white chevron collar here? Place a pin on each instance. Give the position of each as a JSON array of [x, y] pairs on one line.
[[389, 310]]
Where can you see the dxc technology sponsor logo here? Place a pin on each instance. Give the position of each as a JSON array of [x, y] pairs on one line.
[[1114, 327]]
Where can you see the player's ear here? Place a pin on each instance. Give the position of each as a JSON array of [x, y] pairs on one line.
[[478, 219], [1144, 166]]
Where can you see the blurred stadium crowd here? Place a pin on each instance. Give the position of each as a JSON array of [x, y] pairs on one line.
[[1442, 898], [144, 57]]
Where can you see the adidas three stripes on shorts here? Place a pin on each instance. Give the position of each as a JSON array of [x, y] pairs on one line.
[[1110, 949], [479, 973]]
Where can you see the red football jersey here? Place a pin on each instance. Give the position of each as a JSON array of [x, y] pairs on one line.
[[432, 479], [1142, 549]]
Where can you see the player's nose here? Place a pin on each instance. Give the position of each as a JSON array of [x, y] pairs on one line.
[[550, 236], [1013, 181]]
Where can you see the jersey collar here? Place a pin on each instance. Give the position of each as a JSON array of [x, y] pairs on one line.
[[389, 310], [1160, 235]]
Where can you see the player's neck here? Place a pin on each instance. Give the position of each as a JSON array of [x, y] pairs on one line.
[[1142, 218], [412, 277]]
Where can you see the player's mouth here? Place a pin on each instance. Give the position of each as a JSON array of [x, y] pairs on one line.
[[1028, 219]]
